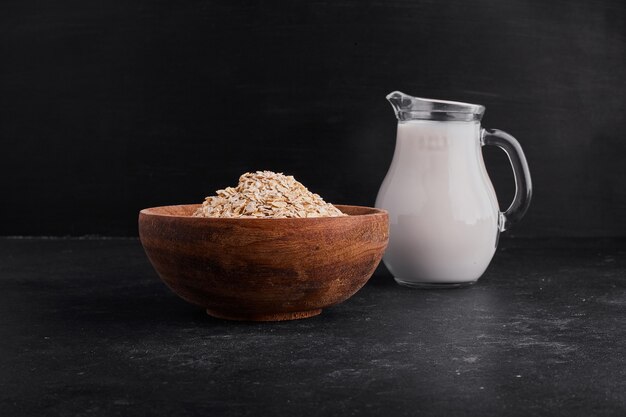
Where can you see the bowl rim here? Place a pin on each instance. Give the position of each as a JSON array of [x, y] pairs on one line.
[[157, 211]]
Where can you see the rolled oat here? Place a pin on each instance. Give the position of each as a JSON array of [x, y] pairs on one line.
[[266, 194]]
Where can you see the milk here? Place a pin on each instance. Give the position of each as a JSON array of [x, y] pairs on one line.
[[443, 210]]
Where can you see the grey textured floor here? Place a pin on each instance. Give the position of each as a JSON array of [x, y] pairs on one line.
[[87, 328]]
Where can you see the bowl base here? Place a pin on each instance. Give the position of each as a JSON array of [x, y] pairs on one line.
[[295, 315]]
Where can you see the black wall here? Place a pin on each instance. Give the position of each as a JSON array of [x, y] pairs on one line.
[[107, 107]]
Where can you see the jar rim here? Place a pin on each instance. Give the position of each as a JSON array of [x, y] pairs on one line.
[[408, 107]]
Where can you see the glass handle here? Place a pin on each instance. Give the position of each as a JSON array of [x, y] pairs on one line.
[[523, 183]]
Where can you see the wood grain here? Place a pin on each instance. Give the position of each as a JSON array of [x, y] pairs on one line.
[[264, 269]]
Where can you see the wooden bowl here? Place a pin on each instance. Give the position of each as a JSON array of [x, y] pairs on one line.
[[264, 269]]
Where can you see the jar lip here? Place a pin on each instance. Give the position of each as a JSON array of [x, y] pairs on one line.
[[408, 107]]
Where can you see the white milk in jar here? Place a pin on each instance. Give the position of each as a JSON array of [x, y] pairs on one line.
[[443, 211]]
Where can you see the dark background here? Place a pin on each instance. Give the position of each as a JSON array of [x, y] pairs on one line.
[[107, 107]]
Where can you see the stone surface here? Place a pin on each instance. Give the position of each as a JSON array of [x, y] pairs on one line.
[[87, 328]]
